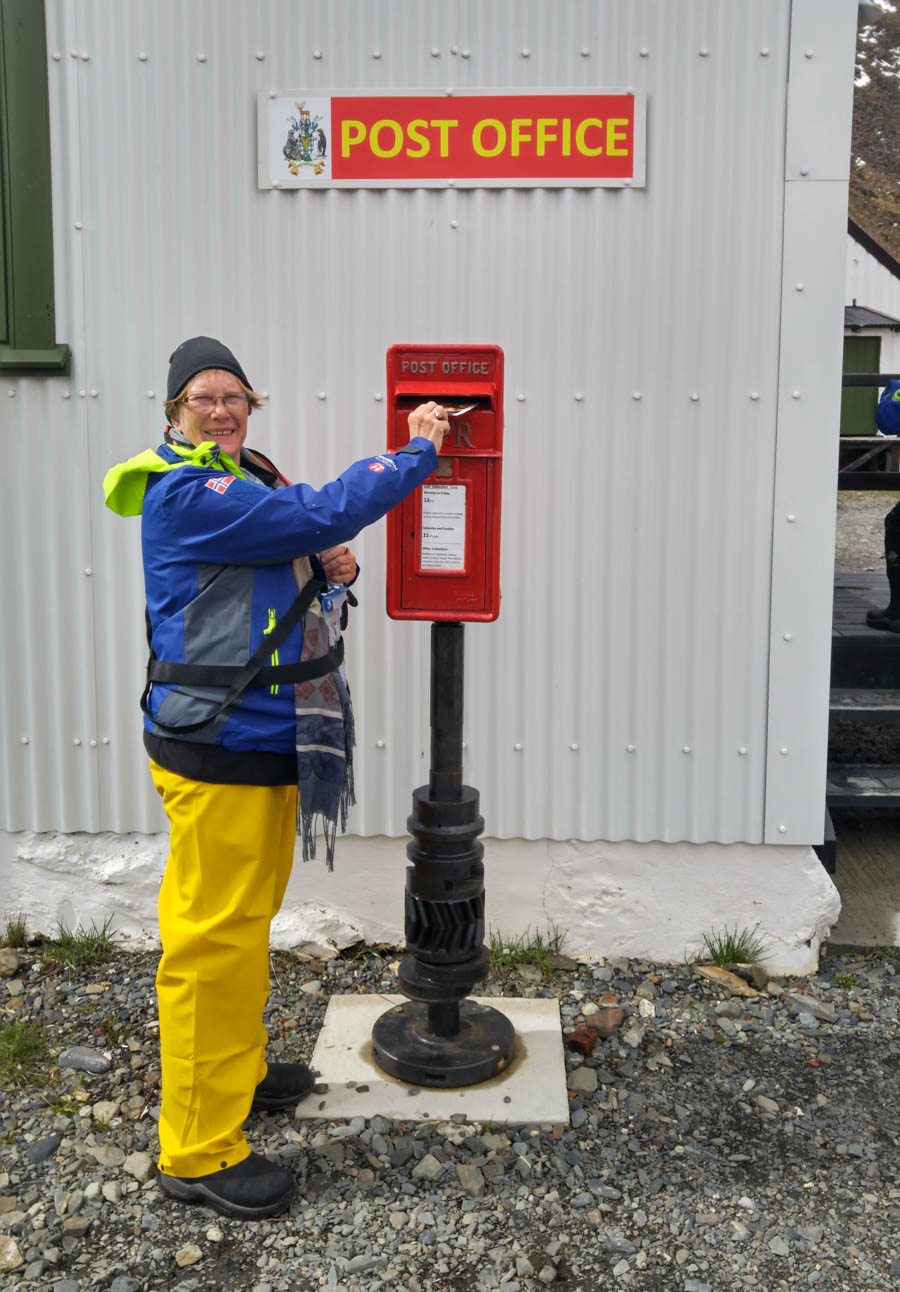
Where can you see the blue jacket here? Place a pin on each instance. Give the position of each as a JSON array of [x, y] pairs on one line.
[[217, 549]]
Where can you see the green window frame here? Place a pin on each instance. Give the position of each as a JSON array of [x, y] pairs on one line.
[[27, 323]]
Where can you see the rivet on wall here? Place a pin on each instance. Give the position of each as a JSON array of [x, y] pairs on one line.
[[201, 58], [73, 53], [795, 394], [704, 52], [635, 394], [526, 53], [85, 56], [94, 394], [23, 740], [260, 55], [317, 53], [804, 170], [742, 750], [435, 53], [798, 287], [782, 829], [67, 394], [644, 52], [754, 394], [273, 94], [376, 53], [264, 394], [694, 397], [517, 747], [56, 56], [465, 744], [808, 54], [76, 742], [685, 749], [629, 749], [788, 637], [379, 744], [88, 571], [466, 53], [791, 517], [585, 53], [454, 224], [104, 740], [454, 49], [521, 397], [579, 396], [764, 52], [378, 396], [93, 744], [322, 395], [82, 394], [151, 394], [142, 57], [784, 751], [11, 393], [78, 225], [574, 747]]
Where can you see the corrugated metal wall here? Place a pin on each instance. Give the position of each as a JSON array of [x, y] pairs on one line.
[[624, 691]]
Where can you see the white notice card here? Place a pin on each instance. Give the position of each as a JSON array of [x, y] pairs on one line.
[[443, 527]]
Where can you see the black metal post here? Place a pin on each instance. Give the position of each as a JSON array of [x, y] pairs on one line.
[[441, 1038]]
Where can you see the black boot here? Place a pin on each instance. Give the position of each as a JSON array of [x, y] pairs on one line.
[[251, 1190], [283, 1085], [889, 618]]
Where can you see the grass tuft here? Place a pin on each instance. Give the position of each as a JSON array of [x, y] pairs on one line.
[[528, 949], [80, 946], [845, 980], [24, 1054], [15, 933], [733, 947]]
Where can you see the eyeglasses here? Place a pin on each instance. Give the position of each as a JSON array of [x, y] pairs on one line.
[[206, 403]]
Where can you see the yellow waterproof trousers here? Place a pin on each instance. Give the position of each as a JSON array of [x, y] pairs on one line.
[[230, 854]]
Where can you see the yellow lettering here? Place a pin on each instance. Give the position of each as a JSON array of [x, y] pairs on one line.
[[444, 127], [567, 137], [413, 129], [517, 135], [544, 136], [375, 133], [489, 123], [352, 133], [581, 130], [613, 136]]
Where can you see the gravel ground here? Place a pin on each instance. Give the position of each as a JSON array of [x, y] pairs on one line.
[[859, 541], [716, 1141]]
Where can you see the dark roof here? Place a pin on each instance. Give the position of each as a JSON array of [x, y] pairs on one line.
[[874, 248], [858, 316]]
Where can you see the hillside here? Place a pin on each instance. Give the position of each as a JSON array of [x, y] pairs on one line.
[[875, 146]]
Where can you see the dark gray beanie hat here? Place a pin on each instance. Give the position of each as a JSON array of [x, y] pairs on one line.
[[196, 355]]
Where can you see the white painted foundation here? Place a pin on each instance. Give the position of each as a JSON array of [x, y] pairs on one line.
[[653, 901]]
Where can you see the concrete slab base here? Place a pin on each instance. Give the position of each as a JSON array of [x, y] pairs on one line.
[[532, 1089]]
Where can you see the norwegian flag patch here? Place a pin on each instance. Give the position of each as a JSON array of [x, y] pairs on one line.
[[220, 483], [376, 466]]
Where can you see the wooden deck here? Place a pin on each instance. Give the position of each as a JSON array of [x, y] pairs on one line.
[[862, 657]]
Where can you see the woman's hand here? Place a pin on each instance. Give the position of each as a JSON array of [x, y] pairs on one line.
[[430, 421], [339, 564]]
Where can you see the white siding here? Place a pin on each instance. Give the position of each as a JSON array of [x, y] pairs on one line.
[[870, 284], [637, 533]]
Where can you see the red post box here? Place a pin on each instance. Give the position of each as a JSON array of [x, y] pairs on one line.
[[443, 555]]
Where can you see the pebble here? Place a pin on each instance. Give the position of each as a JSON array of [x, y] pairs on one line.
[[190, 1254], [43, 1149], [582, 1081], [84, 1059], [140, 1165], [9, 962], [10, 1256]]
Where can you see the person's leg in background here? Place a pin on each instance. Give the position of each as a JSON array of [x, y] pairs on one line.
[[889, 618]]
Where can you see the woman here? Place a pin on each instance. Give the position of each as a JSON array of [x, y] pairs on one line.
[[246, 699]]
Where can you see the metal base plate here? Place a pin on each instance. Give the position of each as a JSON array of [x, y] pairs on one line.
[[404, 1047]]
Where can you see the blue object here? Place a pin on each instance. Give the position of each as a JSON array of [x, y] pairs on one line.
[[887, 416]]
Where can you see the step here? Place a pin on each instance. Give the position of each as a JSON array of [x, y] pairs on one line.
[[862, 784], [868, 705]]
